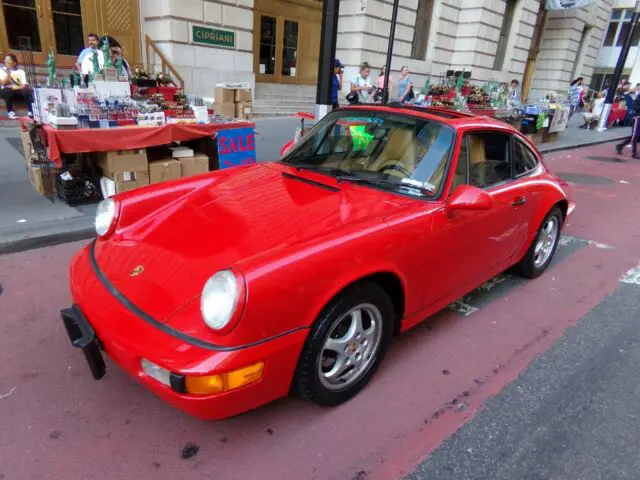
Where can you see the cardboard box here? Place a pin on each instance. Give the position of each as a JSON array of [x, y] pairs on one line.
[[195, 165], [243, 95], [126, 181], [243, 110], [27, 146], [42, 179], [163, 170], [123, 161], [224, 95], [225, 109]]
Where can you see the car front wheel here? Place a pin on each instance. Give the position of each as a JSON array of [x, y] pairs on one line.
[[346, 345], [543, 248]]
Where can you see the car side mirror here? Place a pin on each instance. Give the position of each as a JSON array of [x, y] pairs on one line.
[[467, 197]]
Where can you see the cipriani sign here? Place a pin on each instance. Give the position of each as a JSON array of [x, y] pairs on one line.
[[567, 4]]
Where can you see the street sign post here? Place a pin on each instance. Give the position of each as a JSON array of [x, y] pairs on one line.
[[327, 66]]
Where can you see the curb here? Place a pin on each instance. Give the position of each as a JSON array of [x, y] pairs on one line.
[[48, 240], [582, 145]]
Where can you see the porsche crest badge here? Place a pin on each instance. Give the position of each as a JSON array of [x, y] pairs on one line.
[[137, 271]]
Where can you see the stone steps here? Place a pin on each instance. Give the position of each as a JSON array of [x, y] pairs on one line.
[[281, 100]]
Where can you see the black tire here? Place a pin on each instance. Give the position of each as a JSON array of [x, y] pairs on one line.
[[307, 379], [527, 266]]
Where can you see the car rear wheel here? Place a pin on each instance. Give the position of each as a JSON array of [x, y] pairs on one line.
[[346, 345], [543, 248]]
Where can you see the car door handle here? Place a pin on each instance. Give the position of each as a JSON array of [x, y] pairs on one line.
[[519, 201]]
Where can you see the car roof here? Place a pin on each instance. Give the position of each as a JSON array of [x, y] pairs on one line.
[[453, 118]]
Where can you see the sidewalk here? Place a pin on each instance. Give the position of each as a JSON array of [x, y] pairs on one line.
[[28, 220]]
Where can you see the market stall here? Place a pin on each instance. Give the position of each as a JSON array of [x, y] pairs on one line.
[[87, 142]]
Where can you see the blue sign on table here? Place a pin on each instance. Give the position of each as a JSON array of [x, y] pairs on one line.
[[236, 147]]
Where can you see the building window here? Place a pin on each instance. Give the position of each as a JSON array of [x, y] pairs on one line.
[[21, 20], [618, 27], [505, 33], [583, 40], [421, 29], [67, 25]]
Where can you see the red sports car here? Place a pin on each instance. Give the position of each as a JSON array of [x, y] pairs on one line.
[[228, 290]]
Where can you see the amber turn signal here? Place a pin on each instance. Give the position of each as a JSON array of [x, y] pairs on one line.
[[224, 382]]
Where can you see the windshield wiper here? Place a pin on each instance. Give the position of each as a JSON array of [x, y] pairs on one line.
[[324, 169], [381, 182]]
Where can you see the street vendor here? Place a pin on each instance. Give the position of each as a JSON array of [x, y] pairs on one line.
[[13, 85], [85, 62], [116, 56]]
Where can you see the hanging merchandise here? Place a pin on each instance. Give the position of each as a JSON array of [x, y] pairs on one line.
[[567, 4]]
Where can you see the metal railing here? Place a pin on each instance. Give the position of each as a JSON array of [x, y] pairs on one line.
[[165, 65]]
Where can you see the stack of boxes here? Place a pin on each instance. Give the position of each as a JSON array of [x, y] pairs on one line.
[[130, 169], [233, 102]]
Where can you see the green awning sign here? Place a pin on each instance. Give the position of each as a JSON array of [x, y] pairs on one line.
[[213, 36]]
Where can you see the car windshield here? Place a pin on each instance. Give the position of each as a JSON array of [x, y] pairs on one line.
[[394, 151]]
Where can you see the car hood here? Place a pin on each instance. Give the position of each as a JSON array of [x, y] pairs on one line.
[[161, 262]]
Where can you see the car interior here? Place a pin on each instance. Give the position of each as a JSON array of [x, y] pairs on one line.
[[484, 157]]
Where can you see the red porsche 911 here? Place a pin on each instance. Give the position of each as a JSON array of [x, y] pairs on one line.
[[225, 291]]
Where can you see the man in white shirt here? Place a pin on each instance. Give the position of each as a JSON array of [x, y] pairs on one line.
[[84, 63], [596, 112], [13, 84]]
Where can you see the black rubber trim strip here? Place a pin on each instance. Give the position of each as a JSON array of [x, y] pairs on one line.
[[310, 182], [165, 328]]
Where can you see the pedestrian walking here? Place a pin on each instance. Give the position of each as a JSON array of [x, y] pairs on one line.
[[405, 86], [380, 85], [361, 87], [574, 95], [635, 132], [337, 83]]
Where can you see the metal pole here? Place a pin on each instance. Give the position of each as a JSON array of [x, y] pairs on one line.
[[327, 65], [392, 35], [617, 73]]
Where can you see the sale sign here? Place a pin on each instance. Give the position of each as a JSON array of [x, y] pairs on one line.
[[236, 147]]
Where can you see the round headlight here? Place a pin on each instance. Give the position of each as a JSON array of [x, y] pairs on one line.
[[219, 299], [105, 216]]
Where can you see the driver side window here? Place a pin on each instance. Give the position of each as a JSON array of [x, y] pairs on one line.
[[484, 159]]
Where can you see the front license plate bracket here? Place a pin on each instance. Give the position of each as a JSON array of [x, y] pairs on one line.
[[83, 336]]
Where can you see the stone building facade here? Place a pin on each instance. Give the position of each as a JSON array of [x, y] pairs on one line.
[[491, 38]]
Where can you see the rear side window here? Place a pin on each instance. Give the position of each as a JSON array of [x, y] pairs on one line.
[[524, 160]]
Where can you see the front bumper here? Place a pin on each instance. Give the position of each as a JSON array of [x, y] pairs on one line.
[[98, 323]]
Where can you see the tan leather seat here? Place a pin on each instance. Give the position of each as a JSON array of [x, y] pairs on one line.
[[477, 161], [400, 148]]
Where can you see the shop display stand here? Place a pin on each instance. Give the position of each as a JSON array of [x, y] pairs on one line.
[[39, 158]]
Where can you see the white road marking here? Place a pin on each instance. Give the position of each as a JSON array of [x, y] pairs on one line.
[[463, 308], [6, 395], [566, 240], [632, 276], [487, 286]]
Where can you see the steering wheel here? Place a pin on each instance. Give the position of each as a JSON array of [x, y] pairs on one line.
[[398, 167]]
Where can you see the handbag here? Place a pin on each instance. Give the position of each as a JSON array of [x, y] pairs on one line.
[[353, 98], [410, 95]]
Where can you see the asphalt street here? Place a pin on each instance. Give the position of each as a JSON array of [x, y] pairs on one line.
[[517, 380]]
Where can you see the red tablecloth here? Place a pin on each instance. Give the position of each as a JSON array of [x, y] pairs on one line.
[[125, 138], [617, 114]]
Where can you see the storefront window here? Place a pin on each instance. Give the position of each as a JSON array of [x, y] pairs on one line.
[[289, 48], [21, 20], [67, 24], [267, 45]]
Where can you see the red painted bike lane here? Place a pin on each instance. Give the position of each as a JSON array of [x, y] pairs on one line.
[[56, 422]]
